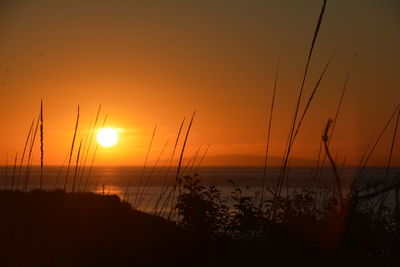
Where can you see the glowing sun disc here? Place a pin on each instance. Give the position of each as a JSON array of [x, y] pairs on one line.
[[107, 137]]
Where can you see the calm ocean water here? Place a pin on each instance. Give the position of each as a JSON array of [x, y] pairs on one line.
[[113, 180]]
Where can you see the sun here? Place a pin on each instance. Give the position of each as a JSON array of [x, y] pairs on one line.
[[107, 137]]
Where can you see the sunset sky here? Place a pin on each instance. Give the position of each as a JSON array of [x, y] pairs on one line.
[[155, 62]]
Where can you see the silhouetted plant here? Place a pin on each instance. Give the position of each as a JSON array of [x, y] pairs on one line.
[[202, 209], [248, 220]]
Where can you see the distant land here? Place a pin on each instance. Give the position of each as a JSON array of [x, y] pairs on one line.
[[251, 160], [240, 160]]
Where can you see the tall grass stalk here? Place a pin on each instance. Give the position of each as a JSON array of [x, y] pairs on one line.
[[93, 159], [368, 156], [338, 109], [325, 139], [316, 175], [202, 158], [28, 169], [335, 119], [392, 146], [178, 169], [72, 150], [269, 134], [390, 160], [299, 98], [76, 166], [81, 163], [166, 185], [310, 99], [293, 136], [86, 153], [41, 144], [149, 182], [367, 148], [23, 155], [142, 172], [194, 160], [339, 106]]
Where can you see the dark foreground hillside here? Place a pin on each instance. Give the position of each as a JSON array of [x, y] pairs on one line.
[[59, 229], [63, 229]]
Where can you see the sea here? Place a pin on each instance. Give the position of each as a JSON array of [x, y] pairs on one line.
[[143, 186]]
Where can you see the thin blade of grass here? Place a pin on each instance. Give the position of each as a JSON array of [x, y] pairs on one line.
[[90, 142], [269, 134], [23, 155], [76, 166], [149, 182], [299, 98], [41, 144], [93, 159], [180, 162], [142, 172], [361, 169], [27, 173], [165, 188], [72, 150]]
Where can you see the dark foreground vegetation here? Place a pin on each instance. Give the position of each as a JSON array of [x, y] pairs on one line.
[[39, 228], [317, 227]]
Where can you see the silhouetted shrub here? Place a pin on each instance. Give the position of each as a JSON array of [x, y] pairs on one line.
[[247, 218], [313, 222], [201, 208]]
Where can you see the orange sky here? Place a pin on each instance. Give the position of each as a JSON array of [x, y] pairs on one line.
[[154, 62]]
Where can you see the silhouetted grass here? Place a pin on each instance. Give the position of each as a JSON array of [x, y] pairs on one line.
[[72, 149], [23, 154], [291, 136], [271, 112], [189, 166], [87, 151], [28, 167], [82, 163], [76, 167], [317, 226], [384, 196], [41, 144], [93, 159], [299, 98], [165, 185], [178, 169], [126, 196], [326, 137], [202, 158], [335, 121], [369, 154], [150, 179]]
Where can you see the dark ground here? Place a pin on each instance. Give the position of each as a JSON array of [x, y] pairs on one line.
[[63, 229]]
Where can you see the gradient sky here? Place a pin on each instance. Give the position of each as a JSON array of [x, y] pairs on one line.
[[154, 62]]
